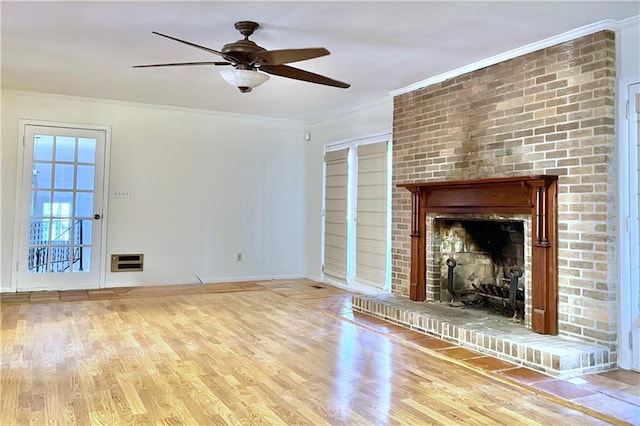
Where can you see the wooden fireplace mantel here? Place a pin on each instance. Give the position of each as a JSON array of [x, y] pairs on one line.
[[534, 195]]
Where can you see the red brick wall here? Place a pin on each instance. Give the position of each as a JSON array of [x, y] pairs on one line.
[[548, 112]]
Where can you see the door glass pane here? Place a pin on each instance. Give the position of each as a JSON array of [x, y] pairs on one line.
[[61, 231], [65, 148], [37, 260], [86, 150], [84, 204], [83, 235], [60, 258], [43, 147], [61, 206], [82, 259], [64, 176], [41, 175], [85, 177], [38, 200], [39, 231]]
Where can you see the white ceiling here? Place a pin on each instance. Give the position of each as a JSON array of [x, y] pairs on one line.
[[87, 48]]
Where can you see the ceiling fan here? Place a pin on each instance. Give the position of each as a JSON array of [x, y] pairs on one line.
[[250, 62]]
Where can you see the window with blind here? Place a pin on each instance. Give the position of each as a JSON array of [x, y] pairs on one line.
[[371, 215], [335, 214], [357, 213]]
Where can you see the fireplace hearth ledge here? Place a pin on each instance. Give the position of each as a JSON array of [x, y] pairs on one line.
[[557, 356]]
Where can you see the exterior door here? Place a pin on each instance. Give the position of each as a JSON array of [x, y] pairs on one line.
[[60, 210]]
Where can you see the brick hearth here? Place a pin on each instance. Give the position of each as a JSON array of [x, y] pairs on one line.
[[555, 355]]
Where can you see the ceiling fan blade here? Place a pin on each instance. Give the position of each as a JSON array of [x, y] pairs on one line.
[[188, 43], [181, 64], [298, 74], [285, 56]]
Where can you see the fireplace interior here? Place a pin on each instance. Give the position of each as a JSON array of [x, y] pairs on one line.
[[482, 264]]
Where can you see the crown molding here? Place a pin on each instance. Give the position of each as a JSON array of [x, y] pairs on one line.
[[352, 109], [221, 114], [607, 24], [634, 20]]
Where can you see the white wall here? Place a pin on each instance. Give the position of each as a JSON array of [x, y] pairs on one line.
[[204, 186], [629, 48], [371, 119]]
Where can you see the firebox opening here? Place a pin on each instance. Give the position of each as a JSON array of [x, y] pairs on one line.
[[482, 265]]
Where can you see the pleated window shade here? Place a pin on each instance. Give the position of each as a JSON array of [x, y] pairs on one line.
[[371, 215], [335, 220]]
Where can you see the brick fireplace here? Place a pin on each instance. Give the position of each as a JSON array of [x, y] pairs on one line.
[[550, 113]]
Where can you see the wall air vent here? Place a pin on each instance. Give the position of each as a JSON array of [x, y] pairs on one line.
[[126, 262]]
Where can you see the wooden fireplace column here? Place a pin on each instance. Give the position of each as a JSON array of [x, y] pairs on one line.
[[532, 195]]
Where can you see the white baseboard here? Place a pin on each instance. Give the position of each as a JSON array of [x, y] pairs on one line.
[[214, 280], [315, 278]]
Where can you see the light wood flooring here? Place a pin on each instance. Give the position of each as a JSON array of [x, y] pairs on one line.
[[279, 352]]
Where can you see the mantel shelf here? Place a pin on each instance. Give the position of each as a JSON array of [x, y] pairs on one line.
[[475, 182]]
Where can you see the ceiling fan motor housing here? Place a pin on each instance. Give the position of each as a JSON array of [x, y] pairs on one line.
[[240, 51]]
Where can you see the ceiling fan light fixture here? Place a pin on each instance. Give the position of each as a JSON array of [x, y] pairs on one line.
[[245, 80]]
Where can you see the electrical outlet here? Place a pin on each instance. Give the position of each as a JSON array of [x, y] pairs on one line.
[[239, 257], [121, 194]]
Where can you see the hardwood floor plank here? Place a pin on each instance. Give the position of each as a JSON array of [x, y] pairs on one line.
[[132, 398]]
